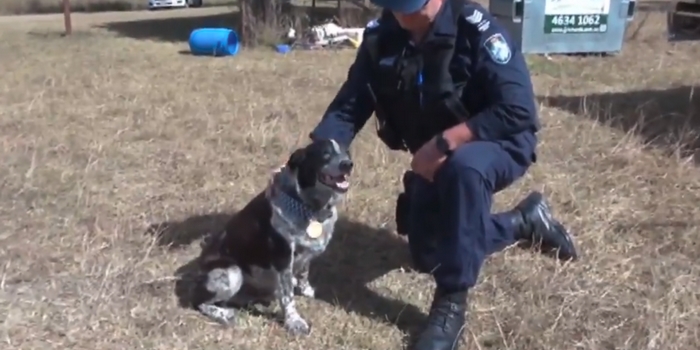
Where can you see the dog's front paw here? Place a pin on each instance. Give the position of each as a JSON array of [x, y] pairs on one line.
[[297, 326]]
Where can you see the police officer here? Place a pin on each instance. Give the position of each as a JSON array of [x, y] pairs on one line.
[[448, 85]]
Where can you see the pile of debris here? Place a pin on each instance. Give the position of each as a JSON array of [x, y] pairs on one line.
[[325, 36]]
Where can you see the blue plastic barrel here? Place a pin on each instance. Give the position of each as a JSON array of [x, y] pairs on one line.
[[214, 42]]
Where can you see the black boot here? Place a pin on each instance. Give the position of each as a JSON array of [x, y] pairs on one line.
[[535, 225], [446, 322]]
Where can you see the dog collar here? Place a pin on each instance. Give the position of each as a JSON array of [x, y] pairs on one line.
[[292, 206]]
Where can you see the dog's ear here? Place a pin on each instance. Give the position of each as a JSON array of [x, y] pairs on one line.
[[296, 159]]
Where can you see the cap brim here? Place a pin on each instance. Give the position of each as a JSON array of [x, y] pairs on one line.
[[401, 6]]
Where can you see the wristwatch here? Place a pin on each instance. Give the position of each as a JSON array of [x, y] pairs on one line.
[[442, 145]]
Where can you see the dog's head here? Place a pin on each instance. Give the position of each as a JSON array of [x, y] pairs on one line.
[[322, 170]]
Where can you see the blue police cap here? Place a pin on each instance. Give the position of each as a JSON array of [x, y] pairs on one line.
[[401, 6]]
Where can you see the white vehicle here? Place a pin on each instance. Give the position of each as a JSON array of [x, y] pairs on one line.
[[169, 4]]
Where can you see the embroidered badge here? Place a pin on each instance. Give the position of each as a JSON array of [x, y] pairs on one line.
[[315, 229], [498, 48]]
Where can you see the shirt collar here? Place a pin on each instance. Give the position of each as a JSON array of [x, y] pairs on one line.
[[443, 25]]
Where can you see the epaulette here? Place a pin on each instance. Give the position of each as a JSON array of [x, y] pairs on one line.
[[475, 17]]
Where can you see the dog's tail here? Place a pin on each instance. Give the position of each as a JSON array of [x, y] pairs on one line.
[[210, 240]]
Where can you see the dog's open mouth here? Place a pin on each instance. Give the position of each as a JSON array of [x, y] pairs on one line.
[[337, 182]]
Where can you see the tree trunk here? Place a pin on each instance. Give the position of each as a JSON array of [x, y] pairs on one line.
[[253, 13]]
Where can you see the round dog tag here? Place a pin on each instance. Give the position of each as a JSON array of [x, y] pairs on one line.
[[315, 229]]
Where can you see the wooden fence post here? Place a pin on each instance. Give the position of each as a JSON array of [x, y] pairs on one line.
[[243, 11], [66, 18]]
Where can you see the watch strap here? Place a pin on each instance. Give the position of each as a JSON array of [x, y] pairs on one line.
[[443, 145]]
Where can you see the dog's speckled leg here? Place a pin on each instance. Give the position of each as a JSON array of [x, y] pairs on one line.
[[223, 315], [302, 285], [293, 322]]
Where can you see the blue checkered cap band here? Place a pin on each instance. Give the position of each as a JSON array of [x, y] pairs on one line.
[[401, 6]]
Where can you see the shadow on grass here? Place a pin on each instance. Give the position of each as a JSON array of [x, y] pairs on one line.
[[667, 119], [174, 29], [178, 234], [33, 7], [357, 255], [178, 29]]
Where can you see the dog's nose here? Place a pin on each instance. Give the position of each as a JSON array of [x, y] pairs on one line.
[[345, 166]]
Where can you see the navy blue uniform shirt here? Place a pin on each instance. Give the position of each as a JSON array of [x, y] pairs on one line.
[[499, 93]]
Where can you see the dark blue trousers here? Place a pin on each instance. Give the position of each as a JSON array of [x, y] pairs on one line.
[[451, 230]]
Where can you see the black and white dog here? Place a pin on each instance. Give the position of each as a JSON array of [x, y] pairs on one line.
[[265, 251]]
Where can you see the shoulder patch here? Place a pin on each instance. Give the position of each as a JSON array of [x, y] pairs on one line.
[[477, 19], [372, 24], [498, 48]]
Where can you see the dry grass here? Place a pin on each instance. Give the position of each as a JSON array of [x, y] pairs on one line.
[[103, 135]]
